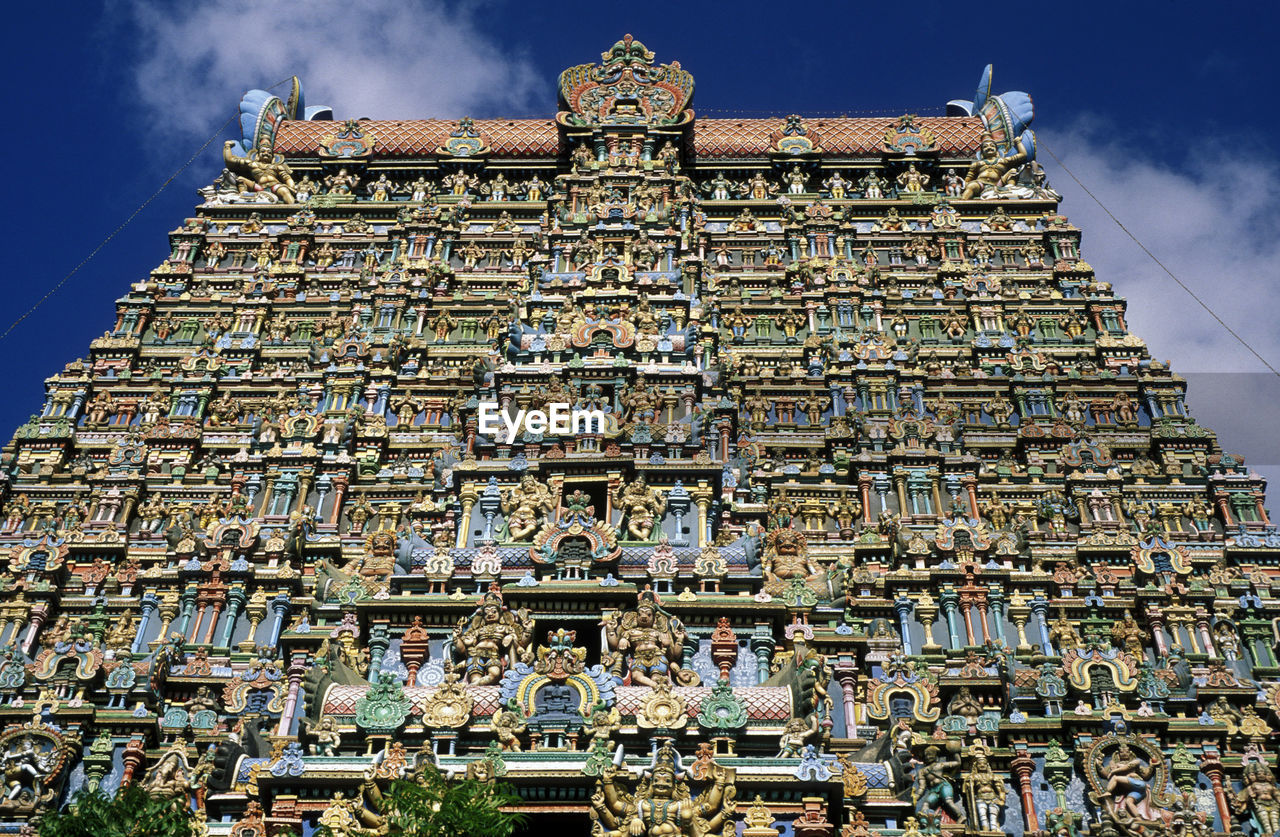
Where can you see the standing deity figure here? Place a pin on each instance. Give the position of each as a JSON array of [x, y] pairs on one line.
[[491, 640], [1130, 636], [990, 170], [642, 507], [648, 642], [933, 790], [524, 507], [1062, 633], [663, 804], [952, 184], [260, 171], [872, 186], [986, 792], [1260, 795], [837, 186]]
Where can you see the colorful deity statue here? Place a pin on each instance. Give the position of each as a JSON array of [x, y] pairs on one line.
[[491, 640], [1128, 777], [786, 556], [991, 170], [642, 507], [933, 789], [985, 790], [261, 170], [1260, 797], [526, 506], [663, 804], [647, 641]]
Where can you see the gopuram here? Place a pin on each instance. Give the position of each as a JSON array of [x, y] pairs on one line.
[[693, 476]]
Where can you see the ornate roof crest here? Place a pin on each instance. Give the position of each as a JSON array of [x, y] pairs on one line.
[[906, 137], [627, 89], [350, 142], [464, 140], [796, 138]]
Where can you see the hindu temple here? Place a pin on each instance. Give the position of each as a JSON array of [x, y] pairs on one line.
[[870, 516]]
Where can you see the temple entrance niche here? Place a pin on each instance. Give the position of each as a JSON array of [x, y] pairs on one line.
[[578, 543], [587, 634]]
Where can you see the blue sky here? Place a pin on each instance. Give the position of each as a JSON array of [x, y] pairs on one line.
[[1166, 111]]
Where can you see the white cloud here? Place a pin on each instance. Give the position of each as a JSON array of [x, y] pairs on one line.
[[1215, 222], [377, 58]]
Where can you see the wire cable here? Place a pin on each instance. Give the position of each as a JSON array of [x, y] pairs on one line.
[[128, 220], [1161, 264]]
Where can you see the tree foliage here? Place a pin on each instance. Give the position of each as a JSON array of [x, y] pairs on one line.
[[465, 808], [134, 812], [428, 803]]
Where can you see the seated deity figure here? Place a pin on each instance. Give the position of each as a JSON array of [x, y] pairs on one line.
[[786, 556], [648, 641], [261, 171], [991, 170], [372, 570]]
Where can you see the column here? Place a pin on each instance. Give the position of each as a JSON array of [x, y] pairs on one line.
[[1023, 765], [903, 608], [236, 601], [149, 606], [1040, 608], [949, 600], [1212, 767], [847, 676], [280, 607], [762, 646], [296, 669], [996, 598]]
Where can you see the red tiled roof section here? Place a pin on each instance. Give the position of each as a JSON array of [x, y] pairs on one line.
[[714, 138], [423, 137], [836, 136]]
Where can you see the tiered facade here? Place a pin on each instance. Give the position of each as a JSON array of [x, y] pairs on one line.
[[874, 518]]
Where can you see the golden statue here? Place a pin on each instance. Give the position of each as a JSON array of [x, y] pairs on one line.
[[170, 777], [1130, 636], [350, 818], [524, 507], [642, 507], [663, 804], [759, 821], [449, 707], [1062, 633], [261, 171], [662, 710], [990, 170]]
